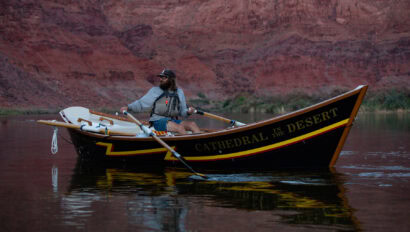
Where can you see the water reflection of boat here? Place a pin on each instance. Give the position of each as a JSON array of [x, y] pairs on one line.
[[165, 197]]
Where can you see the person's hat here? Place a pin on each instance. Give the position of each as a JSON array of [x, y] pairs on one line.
[[167, 73]]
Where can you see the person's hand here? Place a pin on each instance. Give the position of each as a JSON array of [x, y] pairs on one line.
[[125, 108], [191, 110]]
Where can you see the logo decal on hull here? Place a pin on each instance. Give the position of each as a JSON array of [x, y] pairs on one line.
[[268, 147]]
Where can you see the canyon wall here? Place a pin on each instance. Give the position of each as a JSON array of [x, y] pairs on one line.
[[101, 53]]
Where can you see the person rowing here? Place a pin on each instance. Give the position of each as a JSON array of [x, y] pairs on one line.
[[168, 104]]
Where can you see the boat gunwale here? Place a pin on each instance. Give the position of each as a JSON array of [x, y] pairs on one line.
[[228, 131]]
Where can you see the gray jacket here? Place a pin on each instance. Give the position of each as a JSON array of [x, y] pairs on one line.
[[146, 103]]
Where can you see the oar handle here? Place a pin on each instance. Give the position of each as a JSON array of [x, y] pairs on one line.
[[232, 122]]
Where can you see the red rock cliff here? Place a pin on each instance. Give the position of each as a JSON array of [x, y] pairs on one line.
[[106, 53]]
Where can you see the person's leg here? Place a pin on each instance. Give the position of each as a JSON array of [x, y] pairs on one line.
[[175, 127], [178, 126], [161, 124], [192, 126]]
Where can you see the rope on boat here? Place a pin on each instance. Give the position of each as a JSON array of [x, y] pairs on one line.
[[106, 131], [54, 144]]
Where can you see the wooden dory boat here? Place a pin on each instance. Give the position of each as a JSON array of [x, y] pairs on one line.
[[310, 137]]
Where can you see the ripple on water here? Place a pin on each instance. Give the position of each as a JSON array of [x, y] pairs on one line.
[[369, 167]]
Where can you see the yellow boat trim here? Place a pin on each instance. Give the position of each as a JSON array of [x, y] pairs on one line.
[[265, 148], [110, 152], [170, 157]]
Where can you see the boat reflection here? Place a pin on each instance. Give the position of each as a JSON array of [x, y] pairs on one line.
[[171, 199]]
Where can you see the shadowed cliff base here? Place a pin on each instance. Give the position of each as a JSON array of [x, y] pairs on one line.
[[374, 101], [389, 101]]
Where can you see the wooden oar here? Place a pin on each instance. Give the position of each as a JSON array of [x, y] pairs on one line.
[[101, 130], [148, 131], [232, 122]]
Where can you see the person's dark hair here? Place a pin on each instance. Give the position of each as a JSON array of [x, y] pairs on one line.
[[173, 84]]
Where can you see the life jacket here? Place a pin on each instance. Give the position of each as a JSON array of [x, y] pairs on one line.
[[167, 105]]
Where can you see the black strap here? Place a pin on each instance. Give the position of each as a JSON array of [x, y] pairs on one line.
[[155, 102], [173, 95]]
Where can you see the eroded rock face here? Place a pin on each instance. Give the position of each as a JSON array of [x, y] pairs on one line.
[[107, 53]]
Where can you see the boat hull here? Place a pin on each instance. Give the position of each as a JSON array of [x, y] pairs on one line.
[[311, 137]]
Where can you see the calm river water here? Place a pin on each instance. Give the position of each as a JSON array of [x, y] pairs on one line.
[[367, 190]]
